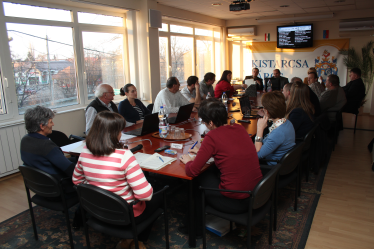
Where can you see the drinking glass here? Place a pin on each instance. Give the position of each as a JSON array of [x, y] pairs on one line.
[[182, 134], [172, 131], [177, 133]]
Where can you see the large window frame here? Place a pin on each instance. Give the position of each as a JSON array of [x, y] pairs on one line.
[[10, 96], [168, 34]]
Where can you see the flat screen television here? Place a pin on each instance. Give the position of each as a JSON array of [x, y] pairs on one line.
[[295, 36]]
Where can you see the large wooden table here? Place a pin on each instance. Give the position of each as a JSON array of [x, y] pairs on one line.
[[177, 168]]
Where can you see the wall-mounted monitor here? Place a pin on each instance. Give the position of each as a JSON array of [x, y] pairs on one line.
[[295, 36]]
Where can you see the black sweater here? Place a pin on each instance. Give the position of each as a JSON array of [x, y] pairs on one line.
[[129, 113]]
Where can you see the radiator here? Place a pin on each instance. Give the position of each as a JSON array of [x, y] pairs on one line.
[[10, 155]]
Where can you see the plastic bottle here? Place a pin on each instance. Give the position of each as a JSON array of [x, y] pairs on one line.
[[161, 113], [208, 96], [268, 89], [224, 100], [166, 117]]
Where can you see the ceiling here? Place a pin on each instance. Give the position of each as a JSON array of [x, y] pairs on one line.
[[268, 8]]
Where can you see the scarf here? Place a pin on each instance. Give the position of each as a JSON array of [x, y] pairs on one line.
[[277, 124]]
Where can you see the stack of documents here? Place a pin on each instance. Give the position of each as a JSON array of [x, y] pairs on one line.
[[155, 161]]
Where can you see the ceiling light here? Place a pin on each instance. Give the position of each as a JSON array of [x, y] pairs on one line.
[[339, 1], [216, 4], [284, 6]]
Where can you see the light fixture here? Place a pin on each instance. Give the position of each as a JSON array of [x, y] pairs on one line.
[[296, 18], [216, 4], [284, 6]]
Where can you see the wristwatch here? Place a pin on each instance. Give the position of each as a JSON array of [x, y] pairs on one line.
[[258, 139]]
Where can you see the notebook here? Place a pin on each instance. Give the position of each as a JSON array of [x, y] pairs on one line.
[[184, 113], [150, 124], [155, 161]]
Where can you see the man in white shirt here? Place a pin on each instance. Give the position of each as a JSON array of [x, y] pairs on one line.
[[192, 91], [103, 102], [170, 97]]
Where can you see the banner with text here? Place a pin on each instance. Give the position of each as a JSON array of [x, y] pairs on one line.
[[324, 56]]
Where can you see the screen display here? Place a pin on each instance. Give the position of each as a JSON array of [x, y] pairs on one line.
[[295, 36]]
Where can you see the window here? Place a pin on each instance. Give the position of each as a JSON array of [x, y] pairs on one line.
[[49, 66], [103, 59], [241, 60], [164, 61], [181, 58], [36, 51], [2, 102], [193, 51]]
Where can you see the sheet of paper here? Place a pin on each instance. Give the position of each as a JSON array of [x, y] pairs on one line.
[[125, 136], [140, 157], [249, 82], [154, 162], [73, 146]]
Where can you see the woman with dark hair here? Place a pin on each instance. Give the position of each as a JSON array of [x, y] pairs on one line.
[[132, 109], [104, 163], [300, 110], [224, 85], [281, 137], [236, 163]]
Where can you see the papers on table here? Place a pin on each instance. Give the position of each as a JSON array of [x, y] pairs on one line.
[[125, 137], [155, 161], [74, 147]]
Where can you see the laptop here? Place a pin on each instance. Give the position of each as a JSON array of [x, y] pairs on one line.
[[150, 124], [245, 107], [184, 114]]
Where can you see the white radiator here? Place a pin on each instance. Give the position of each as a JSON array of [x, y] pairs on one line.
[[10, 155]]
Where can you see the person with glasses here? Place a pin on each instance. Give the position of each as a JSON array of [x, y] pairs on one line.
[[103, 102], [171, 97]]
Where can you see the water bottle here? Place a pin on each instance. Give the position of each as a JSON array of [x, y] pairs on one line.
[[161, 113], [208, 96], [166, 117], [224, 100], [162, 128], [268, 89]]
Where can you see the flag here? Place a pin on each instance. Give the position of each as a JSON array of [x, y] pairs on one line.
[[267, 36], [325, 34]]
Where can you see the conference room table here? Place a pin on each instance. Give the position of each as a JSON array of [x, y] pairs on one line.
[[195, 127]]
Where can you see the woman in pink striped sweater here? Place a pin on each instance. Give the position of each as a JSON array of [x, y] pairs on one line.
[[104, 163]]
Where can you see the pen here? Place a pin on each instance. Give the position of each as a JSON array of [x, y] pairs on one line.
[[161, 159], [193, 145]]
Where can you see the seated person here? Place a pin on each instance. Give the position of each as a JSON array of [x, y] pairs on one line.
[[132, 109], [281, 137], [104, 163], [236, 163], [206, 85], [300, 110], [314, 84], [190, 92], [104, 94], [38, 151], [354, 91], [277, 81], [333, 83], [224, 85], [258, 81], [329, 97], [171, 97], [312, 96]]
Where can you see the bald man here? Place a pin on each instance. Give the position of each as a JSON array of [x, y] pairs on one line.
[[103, 102]]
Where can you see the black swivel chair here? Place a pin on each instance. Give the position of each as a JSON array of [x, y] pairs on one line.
[[290, 171], [112, 215], [150, 107], [260, 204], [46, 186]]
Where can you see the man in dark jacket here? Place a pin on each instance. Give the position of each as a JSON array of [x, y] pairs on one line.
[[354, 91], [103, 102]]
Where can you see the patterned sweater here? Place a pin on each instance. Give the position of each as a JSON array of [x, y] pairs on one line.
[[118, 172]]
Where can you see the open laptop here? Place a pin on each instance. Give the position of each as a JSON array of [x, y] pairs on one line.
[[184, 114], [150, 124]]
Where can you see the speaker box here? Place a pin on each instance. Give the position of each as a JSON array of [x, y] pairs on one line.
[[155, 20]]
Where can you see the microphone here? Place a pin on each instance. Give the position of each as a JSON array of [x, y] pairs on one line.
[[138, 147]]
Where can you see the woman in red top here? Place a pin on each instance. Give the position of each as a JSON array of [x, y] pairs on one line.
[[236, 162], [224, 85]]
